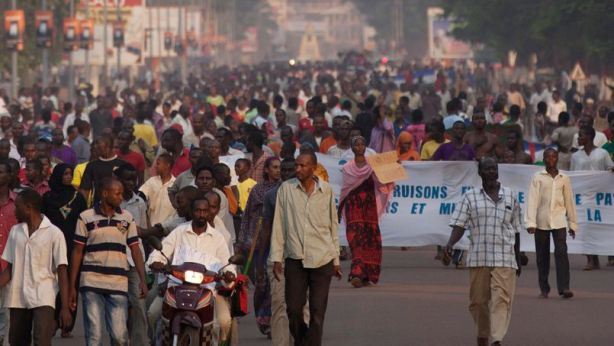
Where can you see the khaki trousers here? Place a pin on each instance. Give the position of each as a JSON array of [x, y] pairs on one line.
[[491, 295]]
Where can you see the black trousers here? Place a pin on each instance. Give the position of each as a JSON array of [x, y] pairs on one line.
[[561, 261], [298, 281], [29, 325]]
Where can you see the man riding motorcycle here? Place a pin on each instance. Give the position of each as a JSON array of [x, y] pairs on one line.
[[197, 241]]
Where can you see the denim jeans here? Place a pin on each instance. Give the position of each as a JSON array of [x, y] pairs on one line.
[[137, 321], [108, 309]]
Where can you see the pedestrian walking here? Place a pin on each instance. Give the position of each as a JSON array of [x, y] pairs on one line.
[[551, 211], [305, 237], [104, 273], [363, 201], [63, 204], [492, 214], [35, 253]]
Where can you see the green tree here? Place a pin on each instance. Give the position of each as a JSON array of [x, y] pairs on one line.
[[30, 59], [560, 32]]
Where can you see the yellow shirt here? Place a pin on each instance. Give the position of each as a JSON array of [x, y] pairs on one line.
[[429, 148], [245, 188], [77, 175], [147, 133]]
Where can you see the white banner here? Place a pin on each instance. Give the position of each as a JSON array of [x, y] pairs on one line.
[[420, 209]]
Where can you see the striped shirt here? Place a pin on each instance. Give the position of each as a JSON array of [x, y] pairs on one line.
[[105, 265], [493, 226]]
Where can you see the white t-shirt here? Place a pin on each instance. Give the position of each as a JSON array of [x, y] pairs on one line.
[[599, 141], [599, 160], [554, 109], [346, 155]]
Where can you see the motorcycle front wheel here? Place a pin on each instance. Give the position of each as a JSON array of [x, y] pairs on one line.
[[189, 336]]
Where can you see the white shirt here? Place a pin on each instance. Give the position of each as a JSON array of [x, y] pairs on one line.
[[554, 109], [235, 152], [185, 125], [346, 155], [219, 226], [70, 120], [159, 204], [536, 98], [224, 213], [34, 261], [183, 240], [415, 101], [138, 209], [599, 141], [599, 160]]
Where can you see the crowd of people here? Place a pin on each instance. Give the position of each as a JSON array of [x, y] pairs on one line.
[[227, 163]]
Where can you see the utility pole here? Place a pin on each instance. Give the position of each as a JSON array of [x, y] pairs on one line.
[[87, 51], [71, 67], [181, 38], [150, 37], [45, 54], [14, 83], [119, 49], [105, 63], [397, 23]]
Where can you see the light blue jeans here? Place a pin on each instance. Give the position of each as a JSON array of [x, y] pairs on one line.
[[137, 321], [105, 309]]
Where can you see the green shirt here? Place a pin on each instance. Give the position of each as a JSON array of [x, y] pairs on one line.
[[609, 147]]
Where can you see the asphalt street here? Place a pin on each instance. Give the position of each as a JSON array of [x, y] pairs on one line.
[[420, 302]]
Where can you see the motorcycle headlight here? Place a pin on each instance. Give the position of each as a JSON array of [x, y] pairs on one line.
[[193, 277]]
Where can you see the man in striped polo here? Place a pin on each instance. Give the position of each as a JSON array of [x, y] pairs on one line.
[[101, 237]]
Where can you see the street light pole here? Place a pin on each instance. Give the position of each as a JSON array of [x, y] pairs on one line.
[[71, 67], [119, 48], [105, 64], [45, 54], [87, 51], [14, 83]]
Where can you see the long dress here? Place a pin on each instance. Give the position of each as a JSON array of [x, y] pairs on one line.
[[363, 233], [258, 270]]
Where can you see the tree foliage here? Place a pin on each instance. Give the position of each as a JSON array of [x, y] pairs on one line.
[[561, 32]]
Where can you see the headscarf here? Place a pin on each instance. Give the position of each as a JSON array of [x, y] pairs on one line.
[[354, 176], [412, 154], [60, 194]]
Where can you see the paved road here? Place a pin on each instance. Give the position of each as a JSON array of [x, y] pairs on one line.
[[419, 302]]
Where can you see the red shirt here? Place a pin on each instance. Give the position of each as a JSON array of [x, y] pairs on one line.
[[305, 124], [135, 159], [182, 163], [41, 188], [608, 134], [7, 221]]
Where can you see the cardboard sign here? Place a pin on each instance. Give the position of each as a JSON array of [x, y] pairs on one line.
[[386, 167]]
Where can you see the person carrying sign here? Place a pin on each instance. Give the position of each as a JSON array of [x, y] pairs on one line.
[[363, 201]]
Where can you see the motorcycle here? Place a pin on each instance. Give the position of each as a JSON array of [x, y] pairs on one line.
[[188, 308]]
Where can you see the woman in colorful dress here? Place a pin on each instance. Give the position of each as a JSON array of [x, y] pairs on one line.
[[363, 201]]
